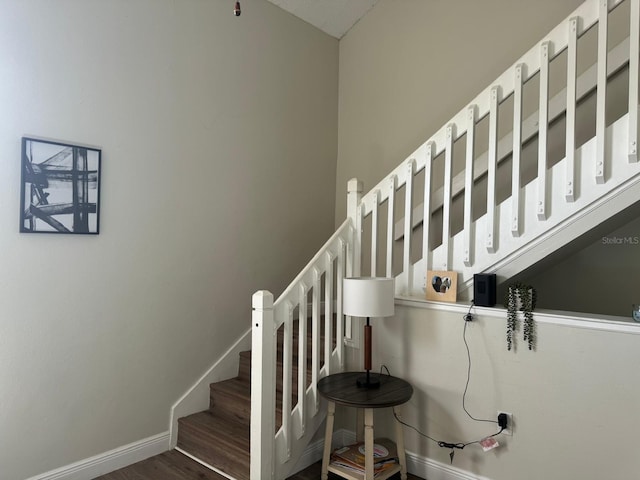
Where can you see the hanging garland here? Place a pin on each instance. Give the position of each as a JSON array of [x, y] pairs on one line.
[[526, 294]]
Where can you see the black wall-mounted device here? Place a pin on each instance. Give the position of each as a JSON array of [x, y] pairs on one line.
[[484, 289]]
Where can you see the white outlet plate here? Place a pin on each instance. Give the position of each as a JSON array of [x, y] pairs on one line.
[[509, 429]]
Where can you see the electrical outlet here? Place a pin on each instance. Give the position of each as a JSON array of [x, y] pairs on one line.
[[509, 429]]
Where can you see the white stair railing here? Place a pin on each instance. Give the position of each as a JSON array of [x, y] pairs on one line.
[[482, 244], [593, 181], [526, 130], [315, 295]]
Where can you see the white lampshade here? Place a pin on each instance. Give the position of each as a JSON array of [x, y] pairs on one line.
[[368, 296]]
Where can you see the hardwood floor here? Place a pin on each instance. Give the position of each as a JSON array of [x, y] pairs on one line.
[[167, 466], [175, 466]]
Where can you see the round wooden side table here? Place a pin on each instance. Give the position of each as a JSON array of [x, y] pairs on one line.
[[341, 389]]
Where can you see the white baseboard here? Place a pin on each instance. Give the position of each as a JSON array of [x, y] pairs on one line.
[[311, 455], [313, 452], [109, 461], [143, 449], [418, 465], [426, 468]]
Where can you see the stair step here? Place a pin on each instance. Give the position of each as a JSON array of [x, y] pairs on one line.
[[220, 436], [232, 398], [244, 371], [217, 440]]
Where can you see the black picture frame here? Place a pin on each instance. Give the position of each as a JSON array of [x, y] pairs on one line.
[[60, 188]]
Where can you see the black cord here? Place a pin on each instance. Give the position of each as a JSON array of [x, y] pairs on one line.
[[468, 317], [466, 387], [414, 429], [442, 444]]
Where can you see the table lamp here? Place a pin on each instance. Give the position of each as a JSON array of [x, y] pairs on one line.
[[368, 297]]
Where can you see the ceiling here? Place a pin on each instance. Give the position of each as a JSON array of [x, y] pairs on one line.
[[334, 17]]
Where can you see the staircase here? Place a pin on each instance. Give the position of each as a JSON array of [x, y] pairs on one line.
[[464, 201], [219, 437]]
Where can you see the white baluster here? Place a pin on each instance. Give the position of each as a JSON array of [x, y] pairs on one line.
[[339, 323], [374, 232], [315, 337], [302, 355], [572, 76], [408, 225], [634, 54], [287, 376], [354, 197], [517, 150], [391, 219], [328, 312], [446, 205], [426, 205], [492, 162], [468, 186], [601, 94], [543, 127]]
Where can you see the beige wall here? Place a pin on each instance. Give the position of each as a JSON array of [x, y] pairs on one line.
[[573, 405], [211, 129], [405, 69], [601, 278], [410, 65]]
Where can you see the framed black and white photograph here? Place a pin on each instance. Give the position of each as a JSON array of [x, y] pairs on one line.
[[60, 188]]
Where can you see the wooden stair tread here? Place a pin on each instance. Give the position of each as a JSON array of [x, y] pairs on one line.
[[245, 367], [232, 397], [236, 386], [218, 440], [246, 355]]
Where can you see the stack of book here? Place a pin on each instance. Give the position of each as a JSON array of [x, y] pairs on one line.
[[351, 457]]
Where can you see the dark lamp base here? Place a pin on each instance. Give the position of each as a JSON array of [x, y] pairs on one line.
[[369, 381]]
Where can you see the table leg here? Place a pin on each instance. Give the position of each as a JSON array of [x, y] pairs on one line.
[[368, 443], [328, 436], [359, 425], [402, 459]]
